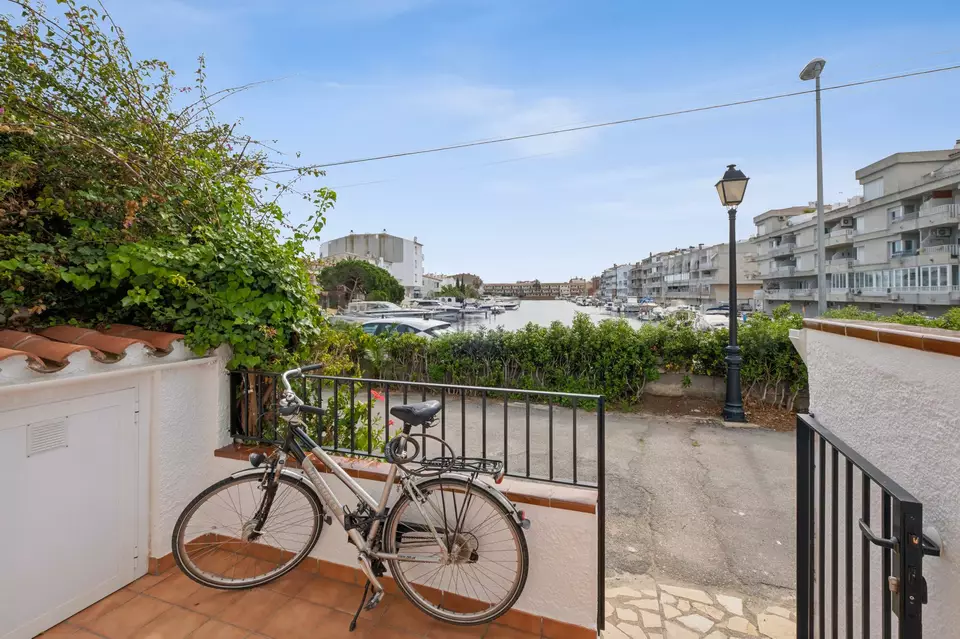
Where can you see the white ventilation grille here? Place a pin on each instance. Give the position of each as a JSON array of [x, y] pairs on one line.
[[45, 436]]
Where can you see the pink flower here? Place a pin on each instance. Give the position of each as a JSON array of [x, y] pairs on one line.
[[390, 423], [377, 395]]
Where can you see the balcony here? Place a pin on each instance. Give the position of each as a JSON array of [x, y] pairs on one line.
[[953, 250], [785, 248], [840, 264], [839, 237]]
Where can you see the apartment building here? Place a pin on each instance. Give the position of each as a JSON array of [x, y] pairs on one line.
[[432, 283], [697, 275], [615, 282], [895, 247], [535, 288], [403, 258]]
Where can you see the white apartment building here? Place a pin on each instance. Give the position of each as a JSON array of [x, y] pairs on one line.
[[697, 275], [615, 282], [895, 247], [432, 283], [403, 258]]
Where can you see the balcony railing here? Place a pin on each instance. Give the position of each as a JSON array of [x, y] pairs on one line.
[[838, 236], [952, 249], [785, 248], [950, 210], [905, 253], [884, 290]]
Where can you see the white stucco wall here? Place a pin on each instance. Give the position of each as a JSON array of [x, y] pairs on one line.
[[899, 408], [190, 419]]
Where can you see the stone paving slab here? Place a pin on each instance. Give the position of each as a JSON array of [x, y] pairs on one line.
[[640, 607]]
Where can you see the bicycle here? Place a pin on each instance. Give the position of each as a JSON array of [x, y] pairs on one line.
[[476, 561]]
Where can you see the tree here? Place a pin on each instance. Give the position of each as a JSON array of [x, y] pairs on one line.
[[357, 276], [122, 202], [458, 291]]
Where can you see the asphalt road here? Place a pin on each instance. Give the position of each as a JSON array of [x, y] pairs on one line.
[[686, 499]]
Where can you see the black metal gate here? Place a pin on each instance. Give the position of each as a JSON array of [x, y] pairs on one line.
[[855, 599]]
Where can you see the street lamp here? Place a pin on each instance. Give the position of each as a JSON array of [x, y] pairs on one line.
[[731, 189], [812, 72]]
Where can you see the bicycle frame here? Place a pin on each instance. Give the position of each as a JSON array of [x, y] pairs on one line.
[[297, 441]]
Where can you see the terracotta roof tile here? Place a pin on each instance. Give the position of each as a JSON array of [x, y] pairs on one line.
[[92, 338], [49, 350], [158, 339], [33, 361]]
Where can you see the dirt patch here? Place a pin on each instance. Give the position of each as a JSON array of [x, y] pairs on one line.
[[759, 414]]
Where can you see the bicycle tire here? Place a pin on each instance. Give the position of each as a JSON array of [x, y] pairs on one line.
[[189, 567], [389, 544]]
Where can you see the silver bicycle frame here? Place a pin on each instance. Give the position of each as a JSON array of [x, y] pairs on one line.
[[335, 506]]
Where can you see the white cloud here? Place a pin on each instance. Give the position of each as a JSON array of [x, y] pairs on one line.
[[495, 112]]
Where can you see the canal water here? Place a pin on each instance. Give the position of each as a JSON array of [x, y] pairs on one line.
[[542, 312]]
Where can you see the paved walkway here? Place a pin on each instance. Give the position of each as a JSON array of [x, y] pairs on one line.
[[640, 607]]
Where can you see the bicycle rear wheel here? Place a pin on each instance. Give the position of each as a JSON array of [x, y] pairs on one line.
[[487, 563], [216, 541]]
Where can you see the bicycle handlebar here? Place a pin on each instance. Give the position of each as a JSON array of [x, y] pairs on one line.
[[295, 372]]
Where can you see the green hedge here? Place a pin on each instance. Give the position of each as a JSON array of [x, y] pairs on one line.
[[949, 320], [610, 358]]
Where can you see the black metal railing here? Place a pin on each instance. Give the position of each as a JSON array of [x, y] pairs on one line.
[[828, 603], [545, 436]]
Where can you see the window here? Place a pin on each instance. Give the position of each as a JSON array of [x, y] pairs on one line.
[[859, 253], [873, 189], [895, 213], [370, 329], [860, 223]]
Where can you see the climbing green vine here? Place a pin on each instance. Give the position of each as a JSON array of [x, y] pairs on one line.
[[124, 199]]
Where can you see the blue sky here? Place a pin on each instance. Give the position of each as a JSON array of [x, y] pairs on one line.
[[367, 77]]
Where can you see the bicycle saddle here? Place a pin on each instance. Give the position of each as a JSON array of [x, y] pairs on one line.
[[416, 414]]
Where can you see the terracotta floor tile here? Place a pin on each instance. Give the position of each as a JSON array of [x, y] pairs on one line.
[[253, 608], [175, 623], [402, 615], [503, 632], [298, 619], [176, 589], [215, 629], [211, 601], [440, 630], [292, 582], [339, 596], [124, 621], [381, 632], [148, 581], [90, 614], [64, 629]]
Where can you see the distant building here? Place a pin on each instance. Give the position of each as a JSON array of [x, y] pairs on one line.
[[403, 258], [697, 275], [432, 283], [615, 282], [535, 288], [895, 247]]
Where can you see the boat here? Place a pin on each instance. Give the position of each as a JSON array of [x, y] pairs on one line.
[[650, 312], [382, 309]]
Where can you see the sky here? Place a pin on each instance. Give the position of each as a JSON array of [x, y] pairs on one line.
[[360, 78]]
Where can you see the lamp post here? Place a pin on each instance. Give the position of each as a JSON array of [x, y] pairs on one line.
[[731, 188], [812, 72]]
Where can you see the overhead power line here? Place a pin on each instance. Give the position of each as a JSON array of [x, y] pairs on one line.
[[598, 125]]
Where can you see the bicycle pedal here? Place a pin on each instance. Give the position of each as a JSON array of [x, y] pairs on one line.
[[374, 600]]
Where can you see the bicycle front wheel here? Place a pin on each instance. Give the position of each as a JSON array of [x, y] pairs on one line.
[[221, 539], [465, 558]]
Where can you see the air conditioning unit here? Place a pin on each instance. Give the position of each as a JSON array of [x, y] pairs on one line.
[[942, 232], [847, 223]]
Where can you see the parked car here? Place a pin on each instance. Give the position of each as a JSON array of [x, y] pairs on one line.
[[390, 325]]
